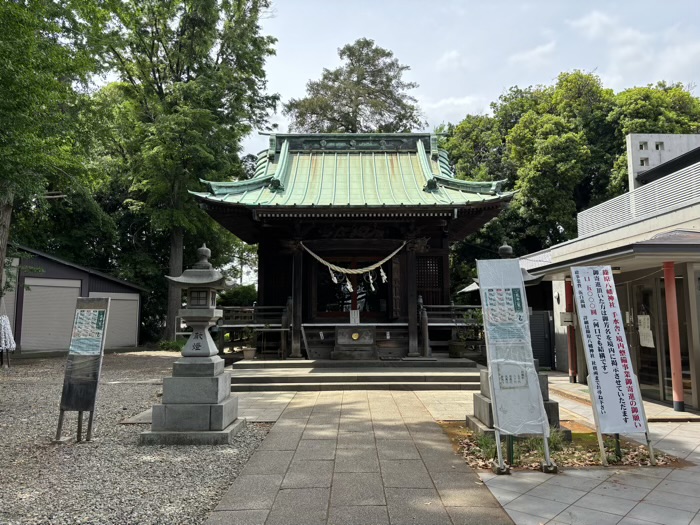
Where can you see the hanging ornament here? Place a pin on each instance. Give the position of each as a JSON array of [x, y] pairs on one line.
[[333, 277], [348, 284], [381, 272]]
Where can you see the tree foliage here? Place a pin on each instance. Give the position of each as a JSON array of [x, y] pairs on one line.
[[562, 148], [45, 57], [193, 86], [367, 93]]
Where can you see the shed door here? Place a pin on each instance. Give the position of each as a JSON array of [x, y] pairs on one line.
[[47, 317], [123, 320]]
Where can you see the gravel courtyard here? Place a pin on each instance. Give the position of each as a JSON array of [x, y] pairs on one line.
[[111, 480]]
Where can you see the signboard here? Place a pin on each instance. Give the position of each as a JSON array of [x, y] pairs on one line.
[[85, 354], [613, 384], [515, 388]]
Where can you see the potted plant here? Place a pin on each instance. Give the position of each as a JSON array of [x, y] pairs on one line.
[[248, 343]]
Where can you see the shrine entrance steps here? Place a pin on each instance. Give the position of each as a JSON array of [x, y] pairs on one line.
[[315, 375]]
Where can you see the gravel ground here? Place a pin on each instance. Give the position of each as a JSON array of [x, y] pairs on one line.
[[111, 480]]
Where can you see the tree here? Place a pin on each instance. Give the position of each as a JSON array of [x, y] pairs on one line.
[[194, 78], [44, 54], [366, 94]]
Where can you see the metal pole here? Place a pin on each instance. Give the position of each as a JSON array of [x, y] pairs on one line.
[[601, 445], [509, 449], [59, 429], [501, 466], [80, 426], [89, 430], [618, 451]]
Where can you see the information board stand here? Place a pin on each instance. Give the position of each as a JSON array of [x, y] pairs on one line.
[[616, 399], [516, 398], [84, 363]]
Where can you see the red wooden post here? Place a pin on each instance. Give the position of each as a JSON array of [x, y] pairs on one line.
[[674, 340]]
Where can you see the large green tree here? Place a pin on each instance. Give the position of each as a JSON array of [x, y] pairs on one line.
[[367, 93], [45, 56], [195, 80], [563, 148]]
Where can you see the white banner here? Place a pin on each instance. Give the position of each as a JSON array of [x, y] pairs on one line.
[[613, 384], [515, 389]]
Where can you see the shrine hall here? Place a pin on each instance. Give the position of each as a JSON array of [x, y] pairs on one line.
[[353, 235]]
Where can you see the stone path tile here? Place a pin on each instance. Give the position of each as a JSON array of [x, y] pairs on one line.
[[676, 501], [522, 518], [357, 489], [308, 474], [478, 515], [620, 490], [536, 506], [397, 449], [662, 515], [239, 517], [251, 493], [555, 492], [575, 515], [358, 515], [356, 440], [356, 460], [300, 507], [405, 473], [414, 506], [315, 449], [459, 490], [609, 504], [271, 462]]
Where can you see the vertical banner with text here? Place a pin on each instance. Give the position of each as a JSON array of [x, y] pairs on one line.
[[85, 353], [613, 384], [515, 389]]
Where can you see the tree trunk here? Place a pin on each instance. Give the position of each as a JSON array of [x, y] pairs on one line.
[[174, 293], [6, 201]]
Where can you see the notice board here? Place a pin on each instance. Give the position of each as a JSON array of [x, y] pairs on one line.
[[613, 384], [85, 354], [515, 387]]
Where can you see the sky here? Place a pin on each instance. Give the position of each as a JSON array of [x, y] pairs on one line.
[[465, 54]]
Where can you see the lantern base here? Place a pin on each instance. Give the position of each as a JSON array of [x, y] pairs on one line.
[[220, 437]]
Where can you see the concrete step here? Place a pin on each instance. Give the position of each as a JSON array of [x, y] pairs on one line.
[[281, 375], [439, 362], [355, 385]]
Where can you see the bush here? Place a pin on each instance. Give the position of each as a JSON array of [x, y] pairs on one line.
[[174, 346], [239, 296]]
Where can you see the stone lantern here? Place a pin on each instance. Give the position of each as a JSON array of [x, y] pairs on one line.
[[197, 406]]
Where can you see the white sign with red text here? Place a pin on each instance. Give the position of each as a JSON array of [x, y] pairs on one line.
[[612, 382]]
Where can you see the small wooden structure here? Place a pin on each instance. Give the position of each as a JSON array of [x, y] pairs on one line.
[[353, 228]]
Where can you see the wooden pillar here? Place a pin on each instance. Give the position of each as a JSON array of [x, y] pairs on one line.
[[297, 276], [412, 298], [674, 340], [571, 332]]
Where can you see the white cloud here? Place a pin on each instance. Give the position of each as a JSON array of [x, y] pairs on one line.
[[452, 109], [535, 57], [594, 24], [452, 60]]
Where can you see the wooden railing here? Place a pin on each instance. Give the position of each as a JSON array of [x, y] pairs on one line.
[[253, 316]]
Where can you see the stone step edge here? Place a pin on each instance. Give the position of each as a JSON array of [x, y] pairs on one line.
[[317, 378], [251, 364], [298, 387]]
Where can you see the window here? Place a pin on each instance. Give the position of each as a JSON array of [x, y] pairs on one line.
[[198, 298], [644, 161], [643, 146], [659, 146]]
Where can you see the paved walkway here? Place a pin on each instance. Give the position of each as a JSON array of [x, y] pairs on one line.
[[363, 457], [357, 457]]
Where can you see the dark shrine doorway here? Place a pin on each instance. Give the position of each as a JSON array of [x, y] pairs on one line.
[[367, 292]]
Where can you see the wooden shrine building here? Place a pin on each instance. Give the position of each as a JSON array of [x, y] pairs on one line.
[[354, 228]]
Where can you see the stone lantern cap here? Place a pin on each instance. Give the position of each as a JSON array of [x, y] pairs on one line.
[[201, 274]]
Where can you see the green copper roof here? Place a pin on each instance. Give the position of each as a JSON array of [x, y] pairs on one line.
[[352, 170]]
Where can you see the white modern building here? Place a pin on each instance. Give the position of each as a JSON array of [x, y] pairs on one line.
[[645, 151]]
